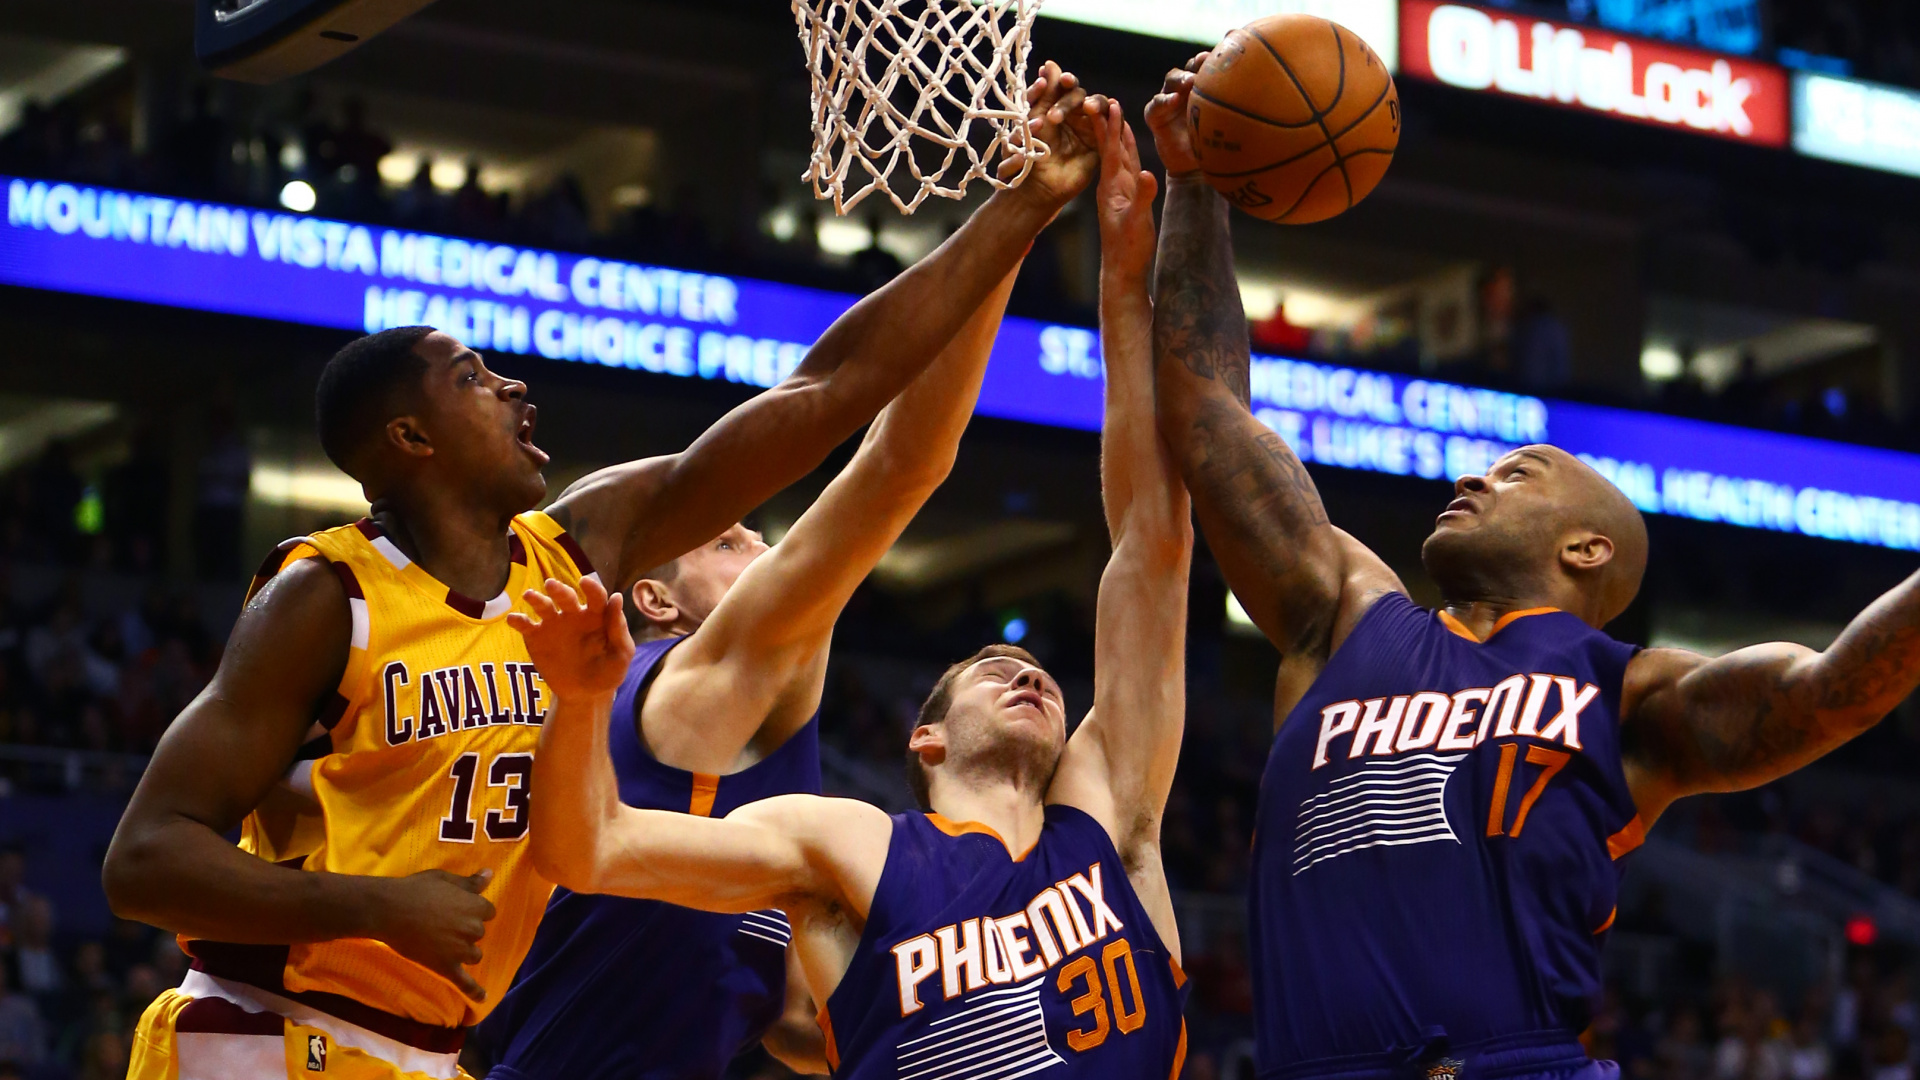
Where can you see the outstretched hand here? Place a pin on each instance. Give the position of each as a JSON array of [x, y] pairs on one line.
[[1125, 196], [1167, 118], [1061, 114], [578, 641]]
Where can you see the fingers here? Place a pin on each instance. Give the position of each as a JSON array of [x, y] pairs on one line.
[[543, 608], [477, 882], [594, 593], [1149, 187], [1129, 147], [1199, 59], [465, 981], [615, 621], [1067, 105], [565, 600]]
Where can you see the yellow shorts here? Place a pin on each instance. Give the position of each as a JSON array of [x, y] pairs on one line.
[[214, 1029]]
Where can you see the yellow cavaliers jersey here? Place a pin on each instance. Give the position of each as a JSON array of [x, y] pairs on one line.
[[423, 762]]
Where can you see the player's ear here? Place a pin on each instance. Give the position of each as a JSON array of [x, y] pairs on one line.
[[405, 434], [1586, 552], [930, 742], [654, 603]]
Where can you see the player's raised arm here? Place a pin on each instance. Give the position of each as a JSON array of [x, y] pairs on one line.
[[1119, 765], [773, 853], [760, 659], [1695, 725], [170, 864], [1260, 510], [632, 517]]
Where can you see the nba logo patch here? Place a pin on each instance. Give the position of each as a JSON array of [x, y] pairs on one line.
[[1447, 1069], [316, 1053]]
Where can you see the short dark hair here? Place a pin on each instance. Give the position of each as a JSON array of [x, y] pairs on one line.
[[934, 710], [360, 390]]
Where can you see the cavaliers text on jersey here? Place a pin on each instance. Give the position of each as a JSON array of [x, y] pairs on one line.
[[1435, 866]]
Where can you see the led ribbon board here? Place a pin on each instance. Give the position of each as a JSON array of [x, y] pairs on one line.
[[352, 277], [1859, 123], [1580, 67], [1205, 22]]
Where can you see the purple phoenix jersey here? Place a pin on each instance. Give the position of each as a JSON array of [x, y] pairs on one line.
[[1435, 864], [975, 965], [638, 989]]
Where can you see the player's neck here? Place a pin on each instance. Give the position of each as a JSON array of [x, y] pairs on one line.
[[1482, 616], [1008, 809], [462, 546]]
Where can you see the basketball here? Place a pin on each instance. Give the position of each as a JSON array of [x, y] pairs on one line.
[[1294, 119]]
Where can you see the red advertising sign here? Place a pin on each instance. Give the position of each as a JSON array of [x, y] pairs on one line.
[[1586, 68]]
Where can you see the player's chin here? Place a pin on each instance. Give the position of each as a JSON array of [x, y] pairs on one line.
[[531, 485]]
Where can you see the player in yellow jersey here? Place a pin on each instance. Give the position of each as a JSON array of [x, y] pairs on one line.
[[351, 947]]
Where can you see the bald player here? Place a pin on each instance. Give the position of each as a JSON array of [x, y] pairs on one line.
[[1448, 792]]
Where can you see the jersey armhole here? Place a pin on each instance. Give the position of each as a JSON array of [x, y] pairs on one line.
[[353, 679], [543, 525], [1372, 615], [634, 717]]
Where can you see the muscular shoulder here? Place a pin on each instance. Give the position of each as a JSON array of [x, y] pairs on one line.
[[1650, 674], [297, 628]]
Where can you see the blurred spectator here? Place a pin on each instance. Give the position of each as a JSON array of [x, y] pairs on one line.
[[33, 957], [225, 472], [105, 1057], [1541, 348], [136, 499], [356, 161], [420, 205], [1682, 1053], [1808, 1058], [1890, 1060], [14, 895], [23, 1033]]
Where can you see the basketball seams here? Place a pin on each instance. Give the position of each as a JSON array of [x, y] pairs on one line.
[[1371, 109], [1339, 91], [1238, 111], [1309, 152], [1308, 190]]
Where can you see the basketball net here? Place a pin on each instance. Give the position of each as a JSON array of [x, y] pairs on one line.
[[949, 73]]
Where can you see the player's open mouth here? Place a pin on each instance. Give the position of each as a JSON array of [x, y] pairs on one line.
[[1030, 697], [524, 436], [1461, 505]]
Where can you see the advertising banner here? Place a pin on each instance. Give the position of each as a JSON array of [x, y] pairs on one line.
[[1855, 122], [1580, 67], [680, 323]]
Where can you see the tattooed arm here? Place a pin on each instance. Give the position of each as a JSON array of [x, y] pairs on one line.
[[1302, 581], [1696, 725]]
